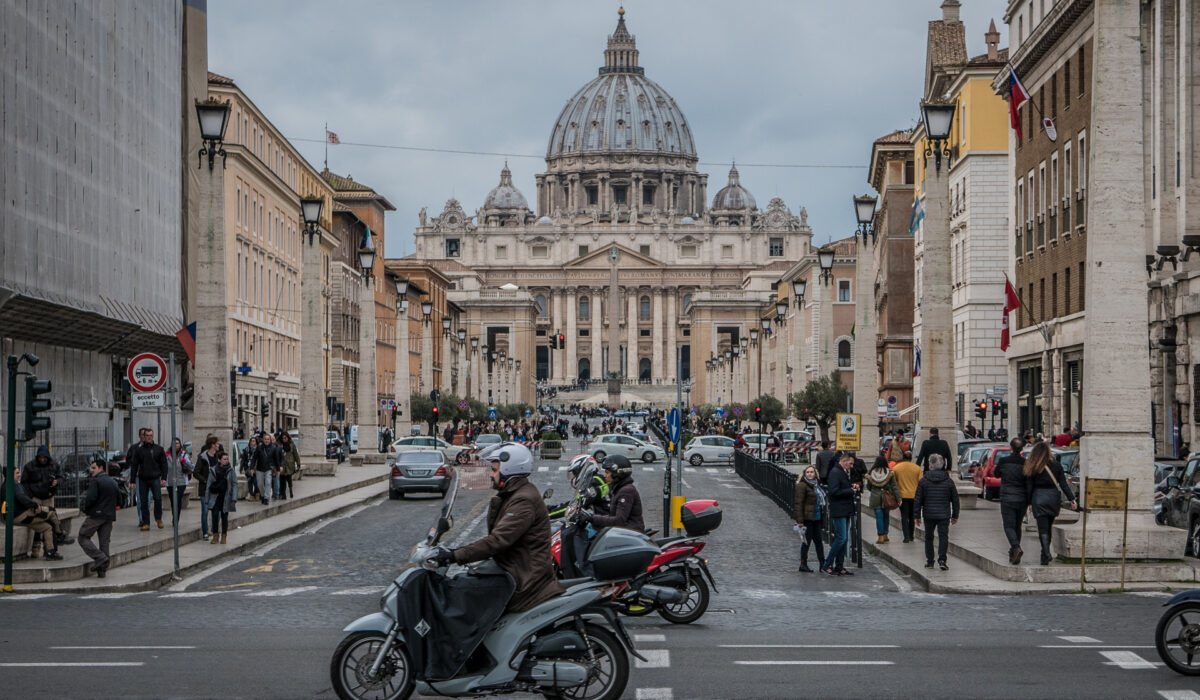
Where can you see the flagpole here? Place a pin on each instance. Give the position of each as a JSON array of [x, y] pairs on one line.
[[327, 145]]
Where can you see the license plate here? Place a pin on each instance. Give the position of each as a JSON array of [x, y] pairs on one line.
[[418, 472]]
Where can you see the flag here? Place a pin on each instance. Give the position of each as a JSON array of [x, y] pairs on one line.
[[918, 214], [1017, 94], [852, 327], [917, 361], [187, 338], [1048, 125], [332, 137], [1011, 303], [367, 242]]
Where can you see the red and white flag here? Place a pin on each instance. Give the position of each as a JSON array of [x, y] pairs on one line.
[[1017, 95], [332, 138], [1011, 303]]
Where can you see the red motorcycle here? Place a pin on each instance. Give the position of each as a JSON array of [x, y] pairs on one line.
[[678, 568]]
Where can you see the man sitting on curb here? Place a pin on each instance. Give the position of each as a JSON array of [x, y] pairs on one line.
[[937, 501], [35, 517]]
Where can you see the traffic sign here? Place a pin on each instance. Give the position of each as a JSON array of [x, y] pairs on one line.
[[463, 405], [892, 400], [146, 372], [1000, 390], [849, 436], [492, 413], [719, 413], [147, 399], [673, 424], [737, 410], [882, 407]]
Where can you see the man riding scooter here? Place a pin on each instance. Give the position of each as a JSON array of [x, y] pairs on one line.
[[624, 501], [591, 492]]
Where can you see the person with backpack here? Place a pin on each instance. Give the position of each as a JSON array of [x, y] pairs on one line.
[[222, 497], [885, 496]]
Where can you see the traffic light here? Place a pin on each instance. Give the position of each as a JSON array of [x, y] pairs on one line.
[[435, 414], [554, 342], [758, 413], [265, 410], [981, 409], [34, 388], [562, 341], [1003, 410], [995, 406]]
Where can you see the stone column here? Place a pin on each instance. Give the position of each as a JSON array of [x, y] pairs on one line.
[[403, 380], [426, 357], [1116, 360], [631, 335], [557, 323], [595, 305], [656, 361], [211, 401], [447, 363], [672, 343], [937, 322], [312, 371], [368, 399], [570, 360], [866, 388]]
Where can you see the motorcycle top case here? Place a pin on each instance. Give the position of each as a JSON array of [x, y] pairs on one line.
[[700, 517], [617, 553]]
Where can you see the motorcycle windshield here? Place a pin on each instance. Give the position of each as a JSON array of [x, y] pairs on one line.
[[436, 532]]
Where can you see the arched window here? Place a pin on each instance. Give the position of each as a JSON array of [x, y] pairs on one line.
[[843, 348], [540, 300], [644, 370], [585, 307], [585, 369], [644, 308], [687, 299]]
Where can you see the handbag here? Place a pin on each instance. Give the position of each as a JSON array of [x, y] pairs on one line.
[[890, 502]]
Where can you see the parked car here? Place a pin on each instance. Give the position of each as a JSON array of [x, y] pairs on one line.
[[972, 457], [483, 440], [642, 413], [627, 445], [622, 414], [965, 445], [419, 443], [989, 485], [708, 448], [420, 471]]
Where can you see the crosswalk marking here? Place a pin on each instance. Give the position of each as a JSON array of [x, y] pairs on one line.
[[193, 594], [654, 694], [110, 596], [543, 469], [647, 638], [1127, 660], [279, 592], [29, 596], [655, 658], [791, 662], [365, 590], [1179, 694], [1080, 640]]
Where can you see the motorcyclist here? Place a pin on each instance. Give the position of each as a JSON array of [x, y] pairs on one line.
[[518, 536], [591, 493], [588, 492], [624, 501]]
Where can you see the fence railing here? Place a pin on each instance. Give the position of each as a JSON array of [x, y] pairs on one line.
[[771, 480], [73, 449]]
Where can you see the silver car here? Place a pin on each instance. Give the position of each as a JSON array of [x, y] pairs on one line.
[[709, 448], [627, 445], [426, 471]]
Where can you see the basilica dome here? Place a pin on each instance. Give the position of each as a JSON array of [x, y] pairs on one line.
[[621, 110], [505, 195], [733, 195]]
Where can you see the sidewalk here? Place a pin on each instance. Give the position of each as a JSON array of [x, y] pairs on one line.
[[145, 560]]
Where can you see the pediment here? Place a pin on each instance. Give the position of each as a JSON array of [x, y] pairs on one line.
[[599, 259]]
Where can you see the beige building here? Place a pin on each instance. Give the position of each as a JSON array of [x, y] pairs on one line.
[[622, 254]]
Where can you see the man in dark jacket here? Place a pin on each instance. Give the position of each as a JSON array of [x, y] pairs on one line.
[[624, 501], [33, 516], [268, 464], [40, 479], [933, 445], [100, 507], [1014, 497], [825, 460], [840, 492], [937, 503], [148, 462], [518, 536]]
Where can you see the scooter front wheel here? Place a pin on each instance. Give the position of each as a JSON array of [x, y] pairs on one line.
[[693, 605], [350, 670]]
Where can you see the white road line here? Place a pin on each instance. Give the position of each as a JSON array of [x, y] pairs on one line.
[[763, 593], [734, 486], [845, 594], [57, 664], [466, 533], [280, 592], [689, 470], [29, 596], [192, 594], [1127, 660], [809, 646], [1094, 646], [1154, 594], [649, 469], [110, 596], [543, 469], [1179, 694], [1081, 640], [123, 648], [365, 590], [646, 638], [814, 663], [563, 468], [655, 658], [654, 694]]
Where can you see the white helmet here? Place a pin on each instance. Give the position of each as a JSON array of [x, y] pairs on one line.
[[582, 468], [515, 459]]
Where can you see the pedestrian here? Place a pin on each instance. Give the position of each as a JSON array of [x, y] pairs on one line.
[[811, 505], [222, 497], [33, 516], [898, 447], [1014, 497], [186, 468], [908, 475], [40, 478], [885, 496], [100, 508], [970, 431], [149, 462], [133, 480], [933, 445], [205, 463], [1046, 480], [840, 493], [249, 457], [936, 502], [269, 456], [291, 465]]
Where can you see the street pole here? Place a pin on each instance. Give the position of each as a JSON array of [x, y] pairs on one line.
[[10, 445], [177, 477], [679, 406]]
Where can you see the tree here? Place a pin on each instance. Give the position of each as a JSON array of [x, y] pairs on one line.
[[421, 408], [705, 410], [772, 409], [820, 401], [478, 409]]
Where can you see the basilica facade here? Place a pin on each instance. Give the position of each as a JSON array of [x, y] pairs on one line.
[[623, 252]]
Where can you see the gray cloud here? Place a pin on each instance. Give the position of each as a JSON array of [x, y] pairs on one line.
[[761, 82]]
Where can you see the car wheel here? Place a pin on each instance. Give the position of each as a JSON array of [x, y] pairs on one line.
[[1194, 539], [647, 457], [696, 460], [599, 455], [395, 495]]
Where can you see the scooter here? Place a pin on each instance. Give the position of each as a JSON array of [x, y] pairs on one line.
[[1177, 636], [573, 645]]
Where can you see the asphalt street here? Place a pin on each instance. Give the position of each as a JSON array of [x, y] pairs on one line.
[[265, 625]]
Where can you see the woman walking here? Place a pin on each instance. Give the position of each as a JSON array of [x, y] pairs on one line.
[[249, 458], [185, 467], [1046, 480], [291, 465], [1014, 497], [880, 482], [205, 463], [810, 507], [222, 497]]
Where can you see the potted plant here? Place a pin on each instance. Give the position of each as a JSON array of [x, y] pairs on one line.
[[551, 445]]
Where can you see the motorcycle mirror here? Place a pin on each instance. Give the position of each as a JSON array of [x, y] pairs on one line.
[[547, 494], [1172, 482]]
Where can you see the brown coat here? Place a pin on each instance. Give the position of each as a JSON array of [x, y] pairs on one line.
[[805, 502], [519, 540]]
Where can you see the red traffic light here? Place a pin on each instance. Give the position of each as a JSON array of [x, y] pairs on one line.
[[435, 411], [983, 405]]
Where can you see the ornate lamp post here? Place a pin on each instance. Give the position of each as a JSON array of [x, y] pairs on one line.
[[864, 211], [213, 116]]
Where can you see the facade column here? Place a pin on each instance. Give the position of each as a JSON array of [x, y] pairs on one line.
[[866, 388], [570, 360], [672, 343], [426, 356], [447, 364], [937, 320], [1116, 359], [403, 380], [631, 335], [656, 361], [595, 308], [368, 399], [557, 323], [312, 369], [211, 400]]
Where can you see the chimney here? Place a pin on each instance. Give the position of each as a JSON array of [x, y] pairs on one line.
[[950, 11], [992, 38]]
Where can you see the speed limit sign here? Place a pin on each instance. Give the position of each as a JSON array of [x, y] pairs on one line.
[[146, 372]]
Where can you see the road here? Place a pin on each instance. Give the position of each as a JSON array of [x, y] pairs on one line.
[[264, 626]]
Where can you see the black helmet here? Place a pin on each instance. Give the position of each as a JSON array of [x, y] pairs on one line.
[[619, 465]]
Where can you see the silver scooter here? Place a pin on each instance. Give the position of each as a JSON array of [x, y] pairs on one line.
[[571, 646]]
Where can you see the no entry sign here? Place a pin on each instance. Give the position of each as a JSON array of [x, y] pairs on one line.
[[146, 372]]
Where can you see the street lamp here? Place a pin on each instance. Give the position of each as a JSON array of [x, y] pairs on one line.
[[864, 211], [213, 116], [938, 117], [462, 335], [445, 325], [825, 259], [401, 286], [753, 337], [766, 323], [310, 209], [427, 308], [781, 310], [801, 286], [366, 260], [475, 344]]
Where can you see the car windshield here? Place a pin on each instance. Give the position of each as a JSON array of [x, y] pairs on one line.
[[1067, 460], [423, 457], [487, 438]]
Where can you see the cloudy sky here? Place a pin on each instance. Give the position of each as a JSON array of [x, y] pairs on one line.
[[801, 82]]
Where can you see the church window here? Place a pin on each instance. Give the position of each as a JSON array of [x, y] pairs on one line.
[[687, 299], [593, 194], [687, 332], [540, 301], [648, 195], [501, 252], [619, 194], [843, 353], [644, 333], [644, 308], [585, 307], [584, 332], [644, 250], [687, 251], [776, 249], [452, 248], [583, 250], [843, 290], [541, 251], [726, 251]]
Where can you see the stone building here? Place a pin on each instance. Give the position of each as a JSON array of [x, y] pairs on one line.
[[621, 249]]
